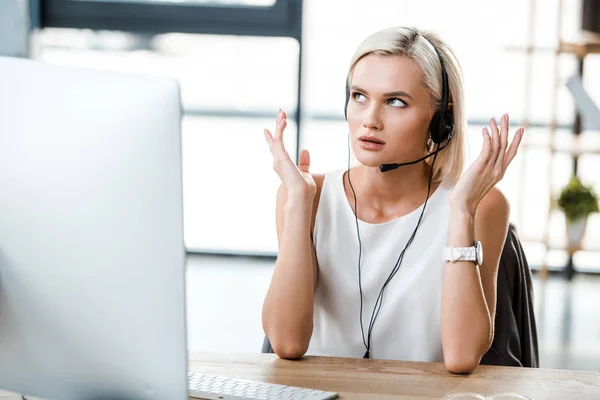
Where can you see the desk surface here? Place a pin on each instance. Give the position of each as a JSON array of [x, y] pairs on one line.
[[378, 379]]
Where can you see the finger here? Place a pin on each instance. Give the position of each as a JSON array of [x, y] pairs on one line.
[[279, 128], [280, 124], [503, 142], [276, 146], [495, 142], [304, 161], [281, 151], [269, 139], [514, 147], [486, 151]]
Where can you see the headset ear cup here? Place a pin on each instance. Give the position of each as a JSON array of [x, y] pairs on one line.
[[442, 126], [435, 128], [448, 125]]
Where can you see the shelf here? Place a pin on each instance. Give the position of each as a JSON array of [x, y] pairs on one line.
[[579, 46], [586, 44]]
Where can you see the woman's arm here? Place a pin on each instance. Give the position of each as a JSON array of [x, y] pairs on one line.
[[287, 314], [288, 307], [469, 291], [478, 211]]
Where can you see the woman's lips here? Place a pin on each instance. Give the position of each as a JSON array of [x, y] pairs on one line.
[[370, 143]]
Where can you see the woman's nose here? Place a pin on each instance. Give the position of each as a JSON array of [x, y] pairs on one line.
[[372, 119]]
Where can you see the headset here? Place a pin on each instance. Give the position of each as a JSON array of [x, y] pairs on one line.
[[441, 129]]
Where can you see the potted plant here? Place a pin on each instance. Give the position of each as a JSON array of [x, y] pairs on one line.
[[577, 201]]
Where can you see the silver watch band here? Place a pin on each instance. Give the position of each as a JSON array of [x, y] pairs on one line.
[[454, 254]]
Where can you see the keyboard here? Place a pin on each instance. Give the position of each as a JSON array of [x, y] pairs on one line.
[[211, 387]]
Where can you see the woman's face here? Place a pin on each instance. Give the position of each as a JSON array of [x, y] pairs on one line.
[[389, 111]]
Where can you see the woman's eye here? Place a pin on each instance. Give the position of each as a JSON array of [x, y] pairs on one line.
[[397, 103], [358, 97]]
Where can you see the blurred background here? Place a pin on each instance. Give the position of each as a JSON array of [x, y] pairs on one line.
[[238, 61]]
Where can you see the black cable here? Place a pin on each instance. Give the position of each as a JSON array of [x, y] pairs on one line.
[[379, 300], [362, 329]]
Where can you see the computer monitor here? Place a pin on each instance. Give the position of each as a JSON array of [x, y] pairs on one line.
[[92, 274]]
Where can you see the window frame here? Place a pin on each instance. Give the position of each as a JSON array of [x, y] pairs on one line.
[[281, 19]]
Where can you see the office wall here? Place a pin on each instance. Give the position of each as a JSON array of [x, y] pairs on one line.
[[14, 28]]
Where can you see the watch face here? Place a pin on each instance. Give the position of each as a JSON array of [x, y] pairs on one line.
[[479, 253]]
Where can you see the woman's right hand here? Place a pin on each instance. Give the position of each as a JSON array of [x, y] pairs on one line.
[[296, 179]]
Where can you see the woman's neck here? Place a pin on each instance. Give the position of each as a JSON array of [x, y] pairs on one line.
[[403, 187]]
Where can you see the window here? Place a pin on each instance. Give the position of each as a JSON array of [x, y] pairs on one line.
[[229, 96], [233, 82]]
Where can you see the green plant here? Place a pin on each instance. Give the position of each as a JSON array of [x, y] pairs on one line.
[[577, 200]]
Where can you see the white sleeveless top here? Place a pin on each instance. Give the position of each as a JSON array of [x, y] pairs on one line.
[[408, 325]]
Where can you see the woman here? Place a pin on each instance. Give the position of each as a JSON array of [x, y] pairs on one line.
[[385, 260]]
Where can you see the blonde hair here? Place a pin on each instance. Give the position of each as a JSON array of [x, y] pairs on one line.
[[409, 42]]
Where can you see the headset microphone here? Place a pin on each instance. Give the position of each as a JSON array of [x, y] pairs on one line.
[[393, 166]]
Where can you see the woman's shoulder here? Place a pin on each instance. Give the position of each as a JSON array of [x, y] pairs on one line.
[[326, 178], [320, 179]]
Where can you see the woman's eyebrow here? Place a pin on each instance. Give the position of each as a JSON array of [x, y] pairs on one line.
[[398, 93]]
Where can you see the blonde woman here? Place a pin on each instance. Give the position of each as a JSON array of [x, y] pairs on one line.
[[385, 259]]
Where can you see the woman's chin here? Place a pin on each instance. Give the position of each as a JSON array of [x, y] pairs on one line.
[[375, 159], [370, 160], [370, 164]]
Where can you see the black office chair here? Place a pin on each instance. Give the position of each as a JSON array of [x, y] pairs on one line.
[[515, 340], [266, 347]]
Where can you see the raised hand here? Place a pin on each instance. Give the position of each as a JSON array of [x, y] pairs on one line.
[[489, 168], [296, 179]]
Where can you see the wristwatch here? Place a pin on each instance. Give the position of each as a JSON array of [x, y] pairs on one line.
[[473, 253]]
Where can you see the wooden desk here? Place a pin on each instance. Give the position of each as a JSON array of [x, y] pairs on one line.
[[374, 379]]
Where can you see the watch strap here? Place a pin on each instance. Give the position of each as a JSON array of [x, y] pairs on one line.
[[454, 254]]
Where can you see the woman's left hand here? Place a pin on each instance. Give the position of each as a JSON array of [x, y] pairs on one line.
[[488, 169]]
